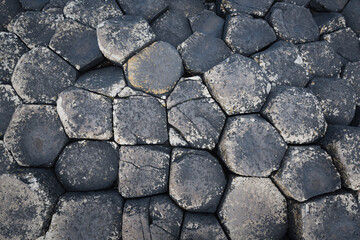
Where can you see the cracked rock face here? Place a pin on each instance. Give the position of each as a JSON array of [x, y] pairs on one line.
[[148, 9], [260, 209], [9, 100], [328, 5], [187, 8], [143, 170], [189, 186], [8, 10], [28, 197], [329, 22], [208, 23], [35, 135], [250, 146], [256, 8], [7, 162], [90, 215], [296, 113]]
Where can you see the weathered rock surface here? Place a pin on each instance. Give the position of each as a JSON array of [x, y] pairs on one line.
[[197, 180], [350, 13], [351, 73], [238, 84], [8, 10], [296, 113], [40, 75], [260, 209], [307, 171], [208, 23], [143, 170], [8, 103], [329, 22], [35, 136], [187, 8], [85, 114], [328, 5], [148, 9], [91, 215], [28, 197], [297, 2], [121, 37], [250, 146], [33, 5], [7, 162], [256, 8]]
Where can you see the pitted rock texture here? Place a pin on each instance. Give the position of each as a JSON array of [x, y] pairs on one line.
[[328, 5], [256, 8], [8, 10], [351, 74], [7, 162], [207, 22], [35, 5], [329, 22], [148, 9], [350, 13], [9, 100]]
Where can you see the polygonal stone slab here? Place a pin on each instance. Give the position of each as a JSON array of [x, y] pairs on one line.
[[171, 27], [194, 114], [343, 144], [345, 43], [329, 22], [351, 73], [155, 217], [296, 113], [256, 8], [139, 120], [250, 146], [41, 75], [337, 99], [7, 162], [283, 64], [350, 13], [36, 28], [77, 44], [247, 35], [92, 12], [143, 170], [201, 226], [28, 197], [197, 180], [35, 135], [108, 81], [320, 59], [121, 37], [148, 9], [56, 4], [238, 84], [8, 10], [33, 5], [332, 217], [155, 69], [87, 166], [91, 215], [207, 22], [8, 103], [293, 23], [187, 8], [85, 114], [307, 171], [198, 47], [260, 209], [328, 5], [11, 49]]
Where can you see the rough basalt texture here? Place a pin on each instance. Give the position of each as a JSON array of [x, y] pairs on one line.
[[207, 22], [328, 5], [351, 73], [329, 22], [350, 13], [256, 8], [9, 100], [7, 162], [148, 9], [8, 10]]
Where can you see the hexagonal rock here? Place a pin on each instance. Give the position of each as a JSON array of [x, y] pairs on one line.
[[307, 171], [201, 226], [343, 144], [351, 73], [320, 59], [148, 9], [247, 35], [85, 114], [143, 170], [90, 215], [186, 7], [121, 37], [189, 186], [293, 23], [36, 28], [7, 162], [8, 10], [194, 114], [329, 22], [155, 69], [155, 217], [198, 47], [139, 120], [296, 113], [11, 49], [260, 209], [92, 12], [250, 146], [334, 216], [87, 166], [256, 8], [345, 43], [328, 5], [350, 13], [171, 27], [8, 103], [207, 22], [238, 84], [108, 81], [35, 135], [40, 75], [283, 65], [28, 197], [77, 44], [337, 99]]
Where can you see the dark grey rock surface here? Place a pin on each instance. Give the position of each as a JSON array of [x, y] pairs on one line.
[[207, 22], [187, 8], [197, 180], [350, 13], [35, 136], [7, 162], [351, 73], [297, 2], [256, 8], [33, 5], [143, 170], [329, 22], [328, 5], [148, 9], [8, 10], [8, 103]]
